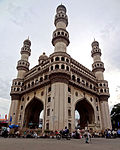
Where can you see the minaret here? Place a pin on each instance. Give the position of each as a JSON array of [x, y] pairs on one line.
[[98, 65], [17, 84], [23, 64], [60, 36], [103, 90]]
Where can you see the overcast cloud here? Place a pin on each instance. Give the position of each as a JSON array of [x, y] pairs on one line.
[[88, 19]]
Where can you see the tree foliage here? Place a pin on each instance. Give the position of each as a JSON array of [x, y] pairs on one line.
[[115, 116]]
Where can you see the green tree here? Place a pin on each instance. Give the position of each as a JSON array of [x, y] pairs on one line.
[[115, 116]]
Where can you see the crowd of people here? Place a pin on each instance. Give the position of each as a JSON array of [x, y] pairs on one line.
[[77, 134]]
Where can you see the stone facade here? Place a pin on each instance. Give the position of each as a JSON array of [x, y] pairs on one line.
[[59, 85]]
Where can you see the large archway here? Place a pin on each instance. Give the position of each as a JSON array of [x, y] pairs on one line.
[[32, 113], [86, 113]]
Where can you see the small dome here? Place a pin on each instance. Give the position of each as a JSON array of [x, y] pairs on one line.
[[43, 57], [27, 42], [61, 8], [95, 43]]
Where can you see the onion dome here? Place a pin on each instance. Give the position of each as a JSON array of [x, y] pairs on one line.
[[27, 42], [61, 8], [42, 58], [95, 43]]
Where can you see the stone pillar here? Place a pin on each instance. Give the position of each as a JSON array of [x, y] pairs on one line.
[[105, 116]]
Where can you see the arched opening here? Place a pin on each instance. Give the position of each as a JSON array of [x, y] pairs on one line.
[[85, 114], [73, 78], [33, 112], [62, 66], [57, 59], [56, 66]]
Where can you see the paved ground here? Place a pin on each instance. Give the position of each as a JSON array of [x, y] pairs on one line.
[[54, 144]]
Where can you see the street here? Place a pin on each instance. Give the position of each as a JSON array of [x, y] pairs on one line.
[[63, 144]]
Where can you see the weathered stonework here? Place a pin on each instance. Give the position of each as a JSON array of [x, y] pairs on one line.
[[59, 85]]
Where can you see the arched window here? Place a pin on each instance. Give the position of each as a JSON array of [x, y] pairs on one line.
[[73, 77], [69, 100], [62, 66], [48, 112], [62, 59], [87, 84], [98, 118], [67, 68], [78, 80], [69, 112], [91, 99], [49, 89], [97, 108], [51, 67], [90, 86], [56, 66], [36, 81], [62, 33], [58, 33], [28, 85], [57, 59], [46, 77], [18, 89], [101, 90], [32, 83], [67, 60], [21, 107], [83, 82], [69, 89], [41, 79], [49, 99], [18, 83]]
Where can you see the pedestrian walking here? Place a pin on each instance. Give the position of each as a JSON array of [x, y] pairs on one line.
[[87, 136]]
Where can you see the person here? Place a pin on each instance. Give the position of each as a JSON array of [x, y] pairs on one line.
[[87, 136], [35, 135], [66, 130], [114, 133], [118, 132], [109, 133]]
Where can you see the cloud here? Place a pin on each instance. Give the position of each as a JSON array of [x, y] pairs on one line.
[[18, 14], [109, 35], [4, 88], [4, 106]]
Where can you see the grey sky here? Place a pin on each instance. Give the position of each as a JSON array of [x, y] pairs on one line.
[[88, 19]]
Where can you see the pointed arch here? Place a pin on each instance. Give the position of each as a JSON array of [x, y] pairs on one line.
[[32, 112], [86, 112]]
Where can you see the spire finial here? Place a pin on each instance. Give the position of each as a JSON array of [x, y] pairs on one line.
[[28, 37], [94, 39]]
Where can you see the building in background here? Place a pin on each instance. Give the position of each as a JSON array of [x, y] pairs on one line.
[[59, 85]]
